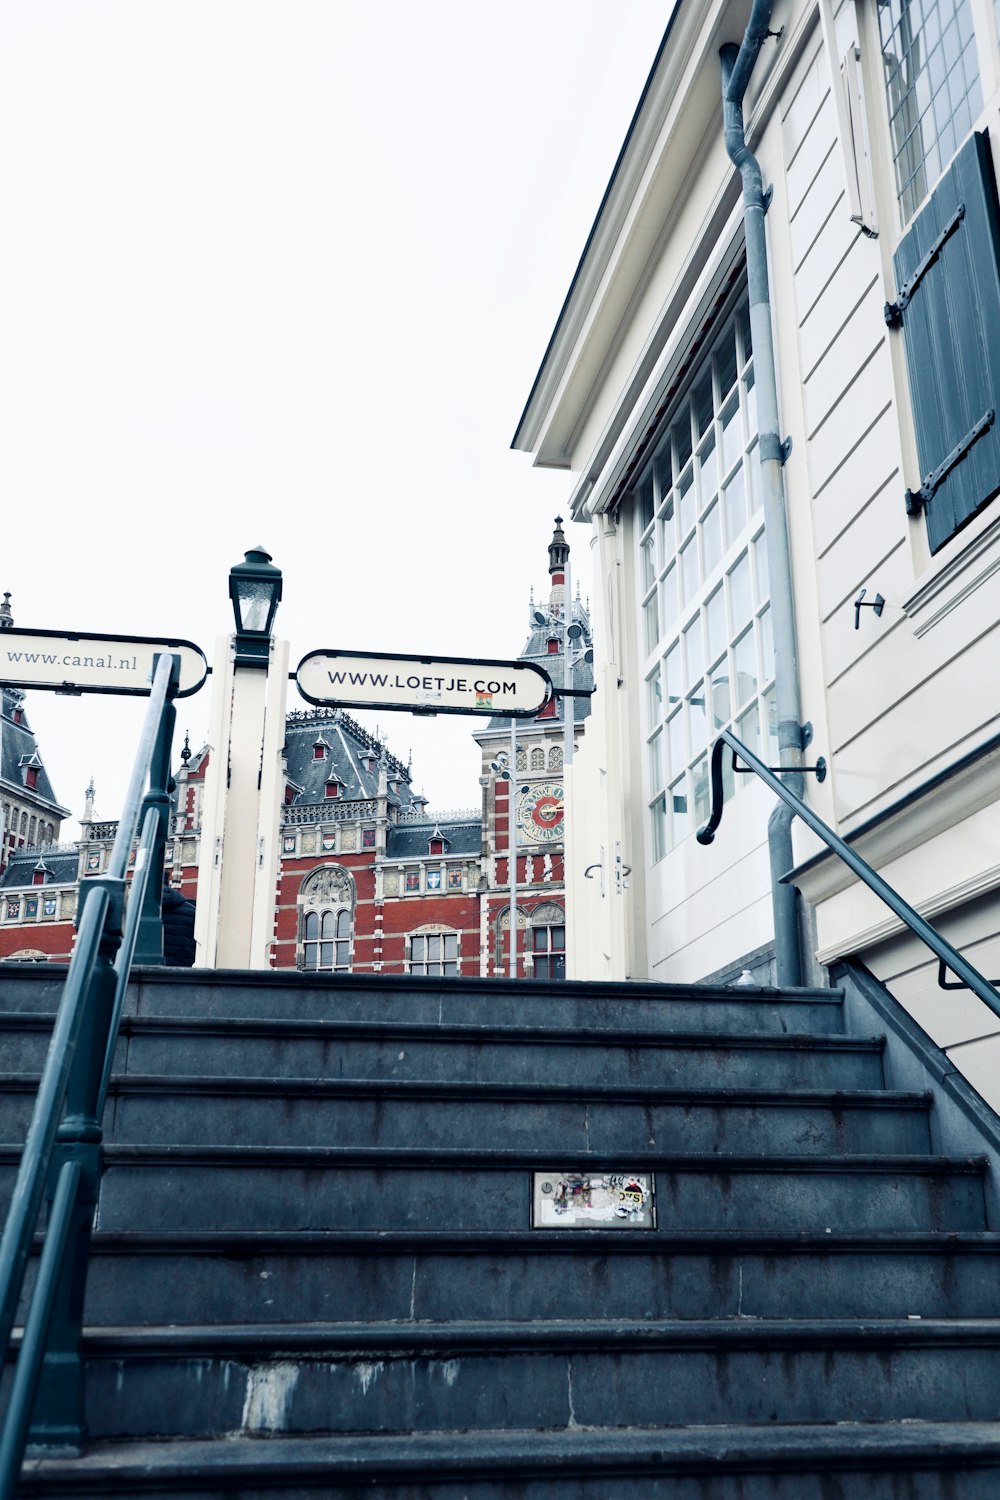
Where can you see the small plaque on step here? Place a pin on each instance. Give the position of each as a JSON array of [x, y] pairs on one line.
[[593, 1200]]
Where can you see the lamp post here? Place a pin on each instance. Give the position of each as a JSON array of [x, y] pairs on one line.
[[238, 859], [512, 848], [505, 769]]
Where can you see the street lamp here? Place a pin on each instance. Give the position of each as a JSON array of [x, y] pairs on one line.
[[254, 588]]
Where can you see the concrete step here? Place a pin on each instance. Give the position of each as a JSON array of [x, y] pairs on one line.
[[235, 994], [406, 998], [847, 1461], [395, 1114], [491, 1054], [189, 1188], [472, 1055], [320, 1378], [263, 1278]]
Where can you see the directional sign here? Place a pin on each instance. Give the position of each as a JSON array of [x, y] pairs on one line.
[[79, 663], [423, 684]]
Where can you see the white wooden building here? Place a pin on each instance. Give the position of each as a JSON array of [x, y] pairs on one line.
[[876, 125]]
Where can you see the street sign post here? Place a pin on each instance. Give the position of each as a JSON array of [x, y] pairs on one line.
[[75, 662], [423, 684]]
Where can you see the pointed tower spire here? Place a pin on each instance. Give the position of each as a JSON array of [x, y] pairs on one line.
[[558, 558], [6, 618]]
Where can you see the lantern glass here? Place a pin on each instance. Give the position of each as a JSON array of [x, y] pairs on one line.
[[254, 588]]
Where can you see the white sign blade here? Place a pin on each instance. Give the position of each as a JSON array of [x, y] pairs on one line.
[[422, 684], [73, 663]]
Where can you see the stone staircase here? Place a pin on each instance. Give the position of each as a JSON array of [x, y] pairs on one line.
[[314, 1271]]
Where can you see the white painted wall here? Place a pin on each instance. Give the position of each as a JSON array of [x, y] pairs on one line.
[[893, 703]]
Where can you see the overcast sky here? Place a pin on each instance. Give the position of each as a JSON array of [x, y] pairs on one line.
[[282, 275]]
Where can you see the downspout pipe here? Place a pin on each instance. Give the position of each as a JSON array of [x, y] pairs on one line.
[[737, 67]]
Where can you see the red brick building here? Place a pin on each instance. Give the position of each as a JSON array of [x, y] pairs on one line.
[[370, 879]]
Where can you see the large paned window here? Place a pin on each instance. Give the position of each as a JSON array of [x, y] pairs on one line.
[[326, 922], [947, 271], [434, 953], [548, 949], [326, 940], [706, 623], [946, 298], [932, 82]]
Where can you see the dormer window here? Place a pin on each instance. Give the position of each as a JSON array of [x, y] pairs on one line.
[[436, 846], [31, 777], [333, 788], [549, 711], [18, 715], [289, 795], [319, 750], [552, 645]]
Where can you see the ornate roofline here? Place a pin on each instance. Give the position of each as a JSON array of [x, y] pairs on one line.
[[368, 741]]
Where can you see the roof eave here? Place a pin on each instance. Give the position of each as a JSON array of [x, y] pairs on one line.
[[597, 251]]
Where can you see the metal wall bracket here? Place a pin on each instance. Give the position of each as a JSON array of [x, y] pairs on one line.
[[950, 984], [806, 735], [771, 446], [915, 500], [818, 770], [860, 603]]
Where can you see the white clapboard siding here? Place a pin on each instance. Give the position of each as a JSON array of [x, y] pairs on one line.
[[830, 384], [835, 440], [863, 472], [919, 731], [849, 283]]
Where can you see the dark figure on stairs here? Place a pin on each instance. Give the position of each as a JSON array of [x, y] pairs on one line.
[[178, 929]]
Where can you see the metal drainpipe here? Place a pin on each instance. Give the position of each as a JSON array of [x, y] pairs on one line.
[[737, 66]]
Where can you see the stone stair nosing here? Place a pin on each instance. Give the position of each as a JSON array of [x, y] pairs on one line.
[[849, 1461]]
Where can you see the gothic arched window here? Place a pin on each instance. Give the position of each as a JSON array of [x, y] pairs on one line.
[[326, 940], [548, 942], [326, 921]]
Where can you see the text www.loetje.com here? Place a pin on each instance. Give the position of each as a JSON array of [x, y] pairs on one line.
[[421, 684]]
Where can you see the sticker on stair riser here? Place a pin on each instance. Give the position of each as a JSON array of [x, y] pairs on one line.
[[593, 1200]]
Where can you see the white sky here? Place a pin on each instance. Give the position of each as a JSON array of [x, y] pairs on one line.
[[282, 274]]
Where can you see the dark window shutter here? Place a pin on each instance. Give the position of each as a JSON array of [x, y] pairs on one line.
[[948, 301]]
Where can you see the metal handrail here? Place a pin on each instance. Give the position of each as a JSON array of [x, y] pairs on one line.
[[61, 1160], [938, 945]]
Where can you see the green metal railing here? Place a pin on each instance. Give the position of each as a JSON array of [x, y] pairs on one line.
[[62, 1159], [893, 900]]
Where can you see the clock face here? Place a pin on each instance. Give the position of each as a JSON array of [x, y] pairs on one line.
[[540, 813]]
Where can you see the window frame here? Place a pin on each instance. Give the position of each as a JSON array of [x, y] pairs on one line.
[[549, 960], [694, 629], [334, 931], [443, 964]]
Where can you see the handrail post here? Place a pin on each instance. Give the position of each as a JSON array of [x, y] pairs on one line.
[[57, 1420], [149, 939]]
